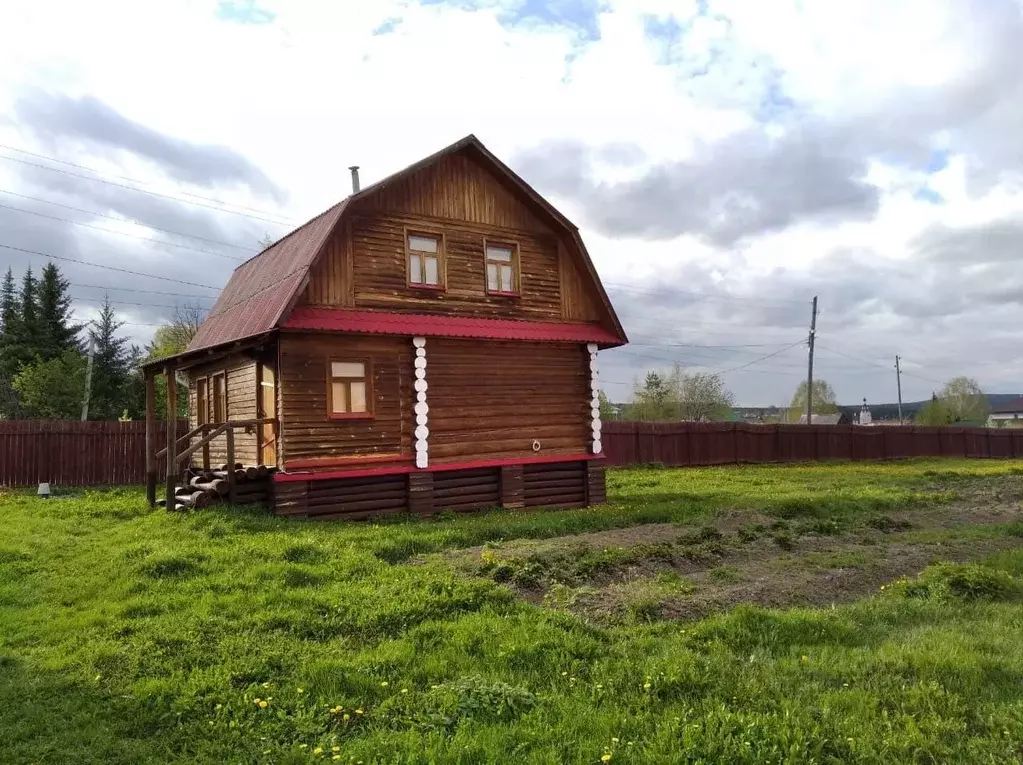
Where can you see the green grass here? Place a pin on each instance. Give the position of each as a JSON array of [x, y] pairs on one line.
[[130, 636]]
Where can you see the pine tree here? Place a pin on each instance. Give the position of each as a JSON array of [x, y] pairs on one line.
[[111, 366], [57, 331]]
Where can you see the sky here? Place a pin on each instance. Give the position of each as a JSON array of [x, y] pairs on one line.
[[725, 161]]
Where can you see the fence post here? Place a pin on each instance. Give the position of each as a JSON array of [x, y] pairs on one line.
[[151, 438], [230, 465]]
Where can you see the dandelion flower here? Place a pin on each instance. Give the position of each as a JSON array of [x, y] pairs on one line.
[[335, 749], [318, 750], [646, 686], [383, 684], [303, 746], [358, 711], [606, 758], [256, 700], [347, 717], [804, 658], [404, 690], [615, 740], [264, 704], [300, 690]]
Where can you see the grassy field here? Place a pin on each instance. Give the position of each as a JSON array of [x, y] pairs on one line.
[[137, 636]]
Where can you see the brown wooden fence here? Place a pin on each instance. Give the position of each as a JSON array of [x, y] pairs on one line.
[[722, 443], [73, 453]]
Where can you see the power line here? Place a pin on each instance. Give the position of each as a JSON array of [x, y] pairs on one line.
[[99, 265], [697, 345], [723, 370], [149, 292], [126, 302], [703, 295], [144, 183], [143, 191], [886, 368], [129, 220], [120, 233], [763, 358]]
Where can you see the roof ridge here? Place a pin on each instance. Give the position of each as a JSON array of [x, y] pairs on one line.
[[290, 234]]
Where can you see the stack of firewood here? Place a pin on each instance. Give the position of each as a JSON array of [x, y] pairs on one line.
[[203, 487]]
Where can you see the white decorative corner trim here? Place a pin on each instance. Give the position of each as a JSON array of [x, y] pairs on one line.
[[595, 424], [421, 409]]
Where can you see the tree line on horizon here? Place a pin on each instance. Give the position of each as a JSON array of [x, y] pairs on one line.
[[684, 396], [44, 353]]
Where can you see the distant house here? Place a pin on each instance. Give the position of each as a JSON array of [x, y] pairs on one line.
[[1007, 415], [827, 419]]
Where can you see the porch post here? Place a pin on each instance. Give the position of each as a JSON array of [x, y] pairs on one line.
[[172, 436], [151, 437]]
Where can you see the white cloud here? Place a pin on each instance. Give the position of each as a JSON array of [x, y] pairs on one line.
[[315, 90]]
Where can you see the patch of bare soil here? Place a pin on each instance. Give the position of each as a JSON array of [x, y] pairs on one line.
[[665, 571]]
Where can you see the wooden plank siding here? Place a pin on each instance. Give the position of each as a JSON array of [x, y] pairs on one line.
[[491, 399], [364, 262], [456, 188], [308, 434], [242, 388]]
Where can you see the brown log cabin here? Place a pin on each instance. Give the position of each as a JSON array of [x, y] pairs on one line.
[[428, 343]]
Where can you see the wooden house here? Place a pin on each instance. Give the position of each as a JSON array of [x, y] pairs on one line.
[[428, 343]]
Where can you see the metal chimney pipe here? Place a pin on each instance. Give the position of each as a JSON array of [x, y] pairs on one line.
[[355, 178]]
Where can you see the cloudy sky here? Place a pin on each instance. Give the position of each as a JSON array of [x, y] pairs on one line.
[[726, 161]]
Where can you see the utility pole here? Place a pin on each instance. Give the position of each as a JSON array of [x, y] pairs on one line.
[[809, 370], [88, 377], [898, 382]]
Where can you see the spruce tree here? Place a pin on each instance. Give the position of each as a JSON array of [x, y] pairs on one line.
[[10, 341], [57, 331], [29, 302], [111, 367]]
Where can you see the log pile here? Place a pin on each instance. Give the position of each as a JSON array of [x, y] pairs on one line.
[[201, 488]]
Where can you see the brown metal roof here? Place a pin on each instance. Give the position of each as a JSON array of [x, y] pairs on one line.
[[1011, 407], [263, 289]]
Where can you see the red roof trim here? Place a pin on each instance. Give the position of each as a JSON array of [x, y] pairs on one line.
[[437, 468], [386, 323]]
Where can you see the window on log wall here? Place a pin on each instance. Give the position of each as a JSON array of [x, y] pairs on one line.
[[425, 253], [219, 398], [202, 401], [502, 269], [349, 389]]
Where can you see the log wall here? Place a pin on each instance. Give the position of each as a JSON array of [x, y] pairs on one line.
[[308, 435], [492, 399]]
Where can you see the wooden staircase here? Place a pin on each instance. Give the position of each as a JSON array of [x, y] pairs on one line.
[[189, 487]]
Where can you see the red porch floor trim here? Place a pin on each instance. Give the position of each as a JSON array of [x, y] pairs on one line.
[[444, 466]]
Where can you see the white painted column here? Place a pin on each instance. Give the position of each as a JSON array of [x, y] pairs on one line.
[[422, 410], [594, 400]]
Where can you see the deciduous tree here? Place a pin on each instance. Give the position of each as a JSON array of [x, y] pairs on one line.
[[824, 401]]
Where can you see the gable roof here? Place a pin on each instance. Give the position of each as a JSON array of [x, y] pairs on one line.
[[261, 291], [1013, 407]]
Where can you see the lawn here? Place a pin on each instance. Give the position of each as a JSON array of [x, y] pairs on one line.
[[137, 636]]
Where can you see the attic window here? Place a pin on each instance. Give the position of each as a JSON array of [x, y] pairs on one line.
[[425, 260], [502, 269], [348, 389]]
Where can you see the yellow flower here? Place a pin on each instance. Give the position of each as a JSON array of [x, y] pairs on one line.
[[303, 746], [358, 711], [804, 658], [615, 740], [335, 749], [263, 704], [404, 690], [646, 686], [300, 690], [318, 750], [606, 758], [383, 684], [347, 717]]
